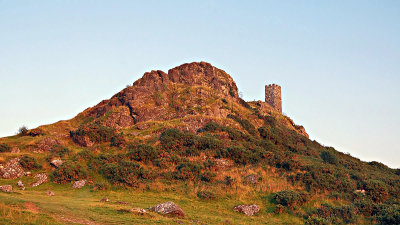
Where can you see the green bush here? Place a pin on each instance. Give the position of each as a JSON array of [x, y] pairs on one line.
[[211, 126], [187, 171], [23, 131], [174, 139], [145, 153], [123, 172], [5, 148], [84, 155], [337, 215], [29, 163], [388, 214], [329, 157], [95, 131], [68, 172], [59, 151], [376, 190], [289, 198], [206, 195], [207, 176], [244, 123], [264, 132], [208, 142], [238, 154]]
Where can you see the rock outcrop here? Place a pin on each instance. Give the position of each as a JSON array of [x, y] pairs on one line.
[[41, 178], [169, 208], [79, 184], [21, 185], [11, 169], [56, 162], [6, 188], [249, 210]]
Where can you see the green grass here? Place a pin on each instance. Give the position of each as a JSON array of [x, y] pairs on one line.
[[83, 205]]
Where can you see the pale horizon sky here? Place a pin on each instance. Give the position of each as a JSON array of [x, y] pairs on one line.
[[338, 62]]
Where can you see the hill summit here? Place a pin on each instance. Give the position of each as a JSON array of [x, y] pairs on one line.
[[185, 145]]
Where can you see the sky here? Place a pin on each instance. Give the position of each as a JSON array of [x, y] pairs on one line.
[[338, 62]]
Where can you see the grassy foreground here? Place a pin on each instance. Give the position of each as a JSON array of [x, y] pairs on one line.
[[34, 206]]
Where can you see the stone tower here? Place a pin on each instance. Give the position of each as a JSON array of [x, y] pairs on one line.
[[273, 96]]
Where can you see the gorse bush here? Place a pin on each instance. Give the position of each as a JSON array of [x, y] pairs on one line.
[[145, 153], [329, 157], [174, 139], [59, 151], [376, 190], [289, 198], [188, 171], [96, 132], [68, 172], [123, 172], [29, 163], [5, 148]]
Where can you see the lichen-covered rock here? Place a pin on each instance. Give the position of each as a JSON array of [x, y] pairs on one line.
[[138, 211], [6, 188], [41, 178], [79, 184], [249, 210], [21, 185], [253, 178], [50, 193], [82, 140], [223, 163], [11, 169], [46, 144], [169, 208], [56, 162]]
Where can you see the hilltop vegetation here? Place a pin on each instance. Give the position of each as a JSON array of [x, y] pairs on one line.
[[186, 136]]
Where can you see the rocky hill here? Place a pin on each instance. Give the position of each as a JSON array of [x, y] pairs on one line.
[[187, 136]]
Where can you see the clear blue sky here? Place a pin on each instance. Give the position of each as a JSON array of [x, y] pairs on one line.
[[338, 62]]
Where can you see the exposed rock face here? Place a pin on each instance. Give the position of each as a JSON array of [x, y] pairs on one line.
[[169, 208], [82, 140], [6, 188], [79, 184], [249, 210], [253, 178], [11, 170], [46, 144], [146, 98], [41, 178], [56, 162]]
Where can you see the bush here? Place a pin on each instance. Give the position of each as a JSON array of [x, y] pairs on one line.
[[337, 215], [68, 172], [187, 171], [264, 132], [5, 148], [95, 131], [208, 142], [376, 190], [289, 198], [211, 126], [238, 154], [84, 155], [244, 123], [329, 157], [29, 163], [175, 139], [145, 153], [388, 214], [124, 172], [207, 176], [206, 195], [23, 131]]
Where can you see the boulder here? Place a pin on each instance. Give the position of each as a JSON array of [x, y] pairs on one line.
[[79, 184], [56, 163], [15, 150], [11, 169], [105, 199], [6, 188], [249, 210], [169, 208], [138, 211], [41, 178], [50, 193], [46, 144], [252, 178], [21, 185], [223, 163]]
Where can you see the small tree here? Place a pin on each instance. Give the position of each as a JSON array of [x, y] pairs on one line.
[[23, 131]]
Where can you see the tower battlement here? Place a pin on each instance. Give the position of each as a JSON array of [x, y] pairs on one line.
[[273, 96]]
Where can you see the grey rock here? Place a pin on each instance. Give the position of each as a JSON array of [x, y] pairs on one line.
[[41, 178], [169, 208], [79, 184], [6, 188], [249, 210]]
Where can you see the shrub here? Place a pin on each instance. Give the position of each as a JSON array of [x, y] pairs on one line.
[[175, 139], [187, 171], [5, 148], [206, 195], [84, 155], [95, 131], [207, 176], [238, 154], [211, 126], [145, 153], [264, 132], [228, 180], [29, 163], [208, 142], [117, 140], [289, 198], [376, 190], [99, 186], [23, 131], [244, 123], [124, 172], [337, 215], [388, 214], [329, 157], [68, 172]]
